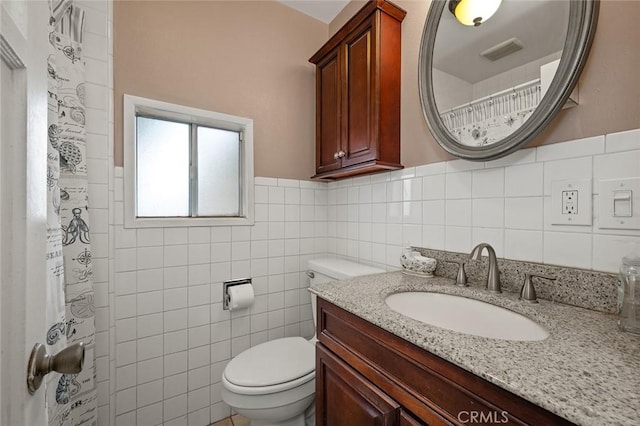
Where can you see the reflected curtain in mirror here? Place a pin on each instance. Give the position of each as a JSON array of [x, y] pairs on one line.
[[485, 90]]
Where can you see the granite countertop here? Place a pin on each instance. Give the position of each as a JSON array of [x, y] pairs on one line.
[[586, 370]]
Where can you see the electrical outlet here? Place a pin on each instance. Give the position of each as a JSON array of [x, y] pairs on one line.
[[571, 202]]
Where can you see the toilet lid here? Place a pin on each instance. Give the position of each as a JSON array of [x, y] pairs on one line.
[[272, 363]]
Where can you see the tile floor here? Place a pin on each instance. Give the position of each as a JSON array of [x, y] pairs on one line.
[[236, 420]]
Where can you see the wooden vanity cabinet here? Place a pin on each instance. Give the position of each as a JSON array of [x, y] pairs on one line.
[[350, 399], [368, 376], [358, 94]]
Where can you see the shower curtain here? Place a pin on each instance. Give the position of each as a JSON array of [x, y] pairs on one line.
[[490, 119], [71, 398]]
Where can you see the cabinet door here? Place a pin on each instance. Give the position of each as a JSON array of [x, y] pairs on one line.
[[344, 397], [359, 140], [328, 112], [407, 419]]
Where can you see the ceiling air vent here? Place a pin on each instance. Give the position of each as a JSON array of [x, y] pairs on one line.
[[503, 49]]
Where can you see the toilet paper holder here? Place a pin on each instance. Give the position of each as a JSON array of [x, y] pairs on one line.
[[225, 287]]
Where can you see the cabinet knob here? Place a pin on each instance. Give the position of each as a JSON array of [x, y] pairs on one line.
[[341, 154], [336, 156]]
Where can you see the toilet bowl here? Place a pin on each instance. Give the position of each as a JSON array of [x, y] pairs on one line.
[[273, 383]]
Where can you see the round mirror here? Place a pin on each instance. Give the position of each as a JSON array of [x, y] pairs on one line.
[[490, 84]]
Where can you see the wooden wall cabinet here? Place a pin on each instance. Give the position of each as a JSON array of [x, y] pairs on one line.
[[358, 94], [368, 376]]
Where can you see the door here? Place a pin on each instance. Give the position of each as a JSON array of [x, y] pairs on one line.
[[328, 112], [23, 129], [359, 100]]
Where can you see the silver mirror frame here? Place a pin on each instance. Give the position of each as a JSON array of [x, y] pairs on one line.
[[583, 18]]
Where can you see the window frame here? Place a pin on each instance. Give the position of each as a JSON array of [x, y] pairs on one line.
[[134, 106]]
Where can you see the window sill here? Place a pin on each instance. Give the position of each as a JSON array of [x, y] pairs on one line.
[[186, 222]]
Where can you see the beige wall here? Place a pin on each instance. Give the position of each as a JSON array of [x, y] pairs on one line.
[[609, 85], [237, 57], [250, 59]]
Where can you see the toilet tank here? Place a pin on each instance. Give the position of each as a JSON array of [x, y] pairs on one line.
[[338, 269], [326, 269]]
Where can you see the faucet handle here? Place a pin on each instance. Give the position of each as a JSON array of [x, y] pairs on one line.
[[528, 291], [461, 278]]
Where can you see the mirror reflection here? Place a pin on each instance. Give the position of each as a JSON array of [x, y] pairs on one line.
[[489, 78]]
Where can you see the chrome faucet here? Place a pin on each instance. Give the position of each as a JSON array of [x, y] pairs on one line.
[[493, 275]]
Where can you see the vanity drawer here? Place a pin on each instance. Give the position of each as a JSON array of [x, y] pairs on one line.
[[434, 390]]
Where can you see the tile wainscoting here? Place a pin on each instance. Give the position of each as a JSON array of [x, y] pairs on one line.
[[98, 55], [454, 205], [172, 337]]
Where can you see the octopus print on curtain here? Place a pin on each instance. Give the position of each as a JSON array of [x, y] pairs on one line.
[[71, 398]]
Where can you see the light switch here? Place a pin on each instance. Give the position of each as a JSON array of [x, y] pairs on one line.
[[617, 199], [622, 202]]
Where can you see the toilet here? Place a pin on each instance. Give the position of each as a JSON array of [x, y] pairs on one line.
[[273, 383]]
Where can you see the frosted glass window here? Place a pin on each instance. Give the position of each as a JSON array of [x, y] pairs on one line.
[[162, 169], [185, 166], [218, 172]]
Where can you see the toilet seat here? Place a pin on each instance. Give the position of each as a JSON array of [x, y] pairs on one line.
[[270, 367], [264, 390]]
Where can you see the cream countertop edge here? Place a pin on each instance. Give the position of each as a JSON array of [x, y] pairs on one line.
[[586, 370]]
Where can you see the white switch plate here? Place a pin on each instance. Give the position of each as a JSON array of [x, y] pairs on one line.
[[627, 216], [571, 202]]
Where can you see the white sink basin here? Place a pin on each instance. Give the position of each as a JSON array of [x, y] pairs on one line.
[[465, 315]]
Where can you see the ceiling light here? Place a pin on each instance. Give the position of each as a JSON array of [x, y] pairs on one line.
[[473, 12]]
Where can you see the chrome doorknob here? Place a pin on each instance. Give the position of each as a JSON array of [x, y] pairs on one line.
[[68, 361]]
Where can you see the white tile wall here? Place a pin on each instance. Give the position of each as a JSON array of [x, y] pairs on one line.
[[505, 202], [99, 148], [623, 141], [172, 336]]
